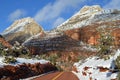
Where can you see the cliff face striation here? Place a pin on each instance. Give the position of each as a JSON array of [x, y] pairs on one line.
[[51, 42]]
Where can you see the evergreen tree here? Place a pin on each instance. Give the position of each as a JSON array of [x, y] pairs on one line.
[[1, 48], [105, 42]]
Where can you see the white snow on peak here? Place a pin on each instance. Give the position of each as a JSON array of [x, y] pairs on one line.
[[81, 18], [18, 25], [93, 70], [88, 15], [89, 9]]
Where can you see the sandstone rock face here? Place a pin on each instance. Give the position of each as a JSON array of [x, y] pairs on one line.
[[85, 34], [4, 42], [74, 33], [21, 30], [90, 35]]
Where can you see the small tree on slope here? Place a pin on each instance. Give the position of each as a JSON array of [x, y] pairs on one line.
[[105, 42]]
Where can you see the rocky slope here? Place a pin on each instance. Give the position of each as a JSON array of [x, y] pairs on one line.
[[4, 42], [95, 68], [81, 27], [87, 16], [21, 30]]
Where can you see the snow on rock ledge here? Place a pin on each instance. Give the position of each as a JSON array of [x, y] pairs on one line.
[[96, 69], [23, 60], [88, 9], [24, 68], [32, 61]]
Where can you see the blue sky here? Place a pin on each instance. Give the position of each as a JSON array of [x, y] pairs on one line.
[[48, 13]]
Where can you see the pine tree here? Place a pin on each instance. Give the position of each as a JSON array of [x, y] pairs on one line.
[[1, 48], [105, 42]]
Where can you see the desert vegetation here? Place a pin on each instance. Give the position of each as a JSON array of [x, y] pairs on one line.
[[21, 70], [105, 41], [10, 54]]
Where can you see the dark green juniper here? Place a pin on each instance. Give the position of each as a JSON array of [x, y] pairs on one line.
[[105, 41]]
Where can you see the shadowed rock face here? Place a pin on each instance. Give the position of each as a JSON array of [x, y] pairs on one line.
[[55, 43], [4, 42], [24, 70], [21, 30]]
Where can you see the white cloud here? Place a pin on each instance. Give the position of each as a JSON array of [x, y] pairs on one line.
[[113, 4], [16, 14], [58, 21], [53, 10]]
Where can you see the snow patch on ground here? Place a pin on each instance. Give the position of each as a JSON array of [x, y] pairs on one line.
[[23, 60], [89, 70], [32, 61]]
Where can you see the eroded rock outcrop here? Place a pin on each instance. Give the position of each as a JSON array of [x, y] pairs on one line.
[[4, 42], [90, 35], [9, 72]]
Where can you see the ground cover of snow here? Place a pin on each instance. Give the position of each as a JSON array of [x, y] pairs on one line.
[[92, 71], [22, 60]]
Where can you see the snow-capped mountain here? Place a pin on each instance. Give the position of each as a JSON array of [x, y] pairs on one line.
[[83, 27], [89, 15], [21, 30], [20, 25]]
